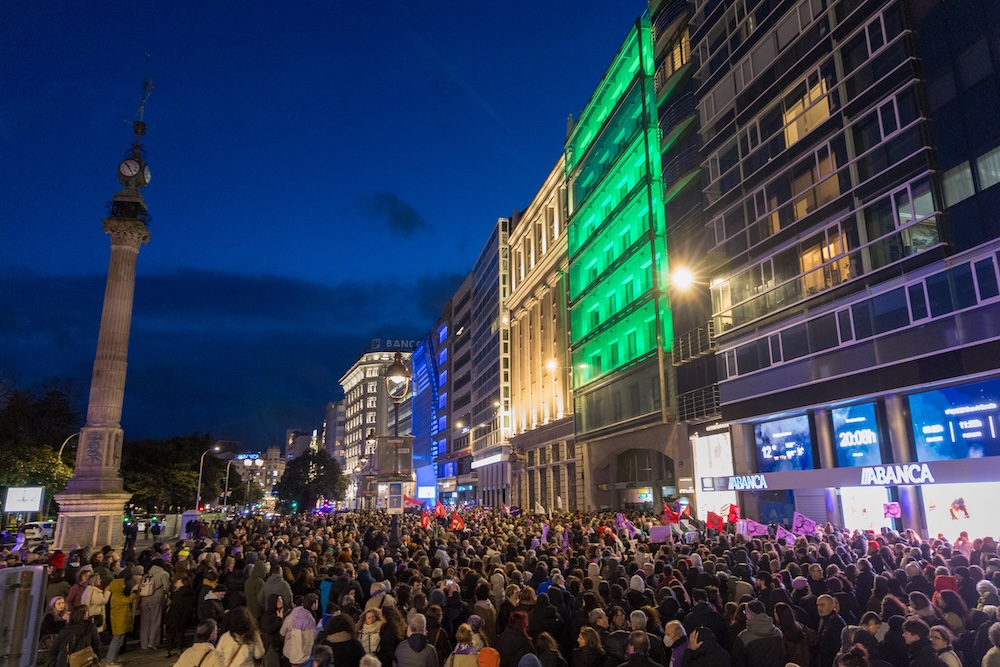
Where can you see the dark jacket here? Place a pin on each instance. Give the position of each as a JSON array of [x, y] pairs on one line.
[[347, 652], [588, 657], [709, 654], [544, 618], [921, 654], [210, 608], [760, 645], [551, 659], [415, 652], [704, 614], [72, 638], [640, 660], [270, 626], [512, 646], [830, 628], [182, 607]]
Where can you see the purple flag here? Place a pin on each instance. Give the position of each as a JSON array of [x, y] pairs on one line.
[[783, 533], [545, 532], [803, 525], [755, 529], [632, 530], [620, 520]]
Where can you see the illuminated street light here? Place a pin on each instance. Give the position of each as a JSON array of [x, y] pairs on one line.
[[682, 279], [201, 469]]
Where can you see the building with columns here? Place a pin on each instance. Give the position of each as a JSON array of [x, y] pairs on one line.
[[545, 468]]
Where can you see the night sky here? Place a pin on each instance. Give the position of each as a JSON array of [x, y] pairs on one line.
[[324, 173]]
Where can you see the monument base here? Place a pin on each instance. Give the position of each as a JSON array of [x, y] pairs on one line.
[[90, 520]]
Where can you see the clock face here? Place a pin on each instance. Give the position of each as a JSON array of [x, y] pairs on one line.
[[147, 174], [129, 167]]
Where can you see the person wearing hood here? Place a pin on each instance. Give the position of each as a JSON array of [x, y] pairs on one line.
[[151, 619], [415, 651], [299, 631], [761, 643], [380, 596], [543, 617], [704, 650], [275, 585], [252, 587]]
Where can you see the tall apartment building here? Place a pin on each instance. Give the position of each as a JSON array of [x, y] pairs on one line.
[[456, 478], [334, 429], [545, 468], [851, 152], [490, 349], [620, 321], [430, 404], [367, 407]]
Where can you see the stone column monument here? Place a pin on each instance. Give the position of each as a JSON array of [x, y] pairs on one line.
[[91, 508]]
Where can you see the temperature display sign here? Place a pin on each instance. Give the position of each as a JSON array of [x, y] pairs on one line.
[[856, 431], [784, 445], [957, 422]]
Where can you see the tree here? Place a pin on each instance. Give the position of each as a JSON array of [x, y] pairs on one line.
[[163, 474], [310, 476]]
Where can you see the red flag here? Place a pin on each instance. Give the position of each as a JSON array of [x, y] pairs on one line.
[[715, 521], [425, 519], [734, 513], [670, 516], [686, 511], [456, 522], [411, 502], [439, 510]]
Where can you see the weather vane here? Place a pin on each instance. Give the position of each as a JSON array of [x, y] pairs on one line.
[[139, 126]]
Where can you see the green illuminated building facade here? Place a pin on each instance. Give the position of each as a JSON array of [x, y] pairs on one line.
[[620, 319]]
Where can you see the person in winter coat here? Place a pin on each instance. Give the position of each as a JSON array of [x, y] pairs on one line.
[[151, 619], [547, 650], [252, 587], [465, 653], [78, 634], [210, 607], [589, 652], [761, 644], [180, 613], [704, 650], [920, 653], [992, 657], [241, 646], [637, 651], [124, 589], [393, 632], [830, 626], [437, 636], [96, 598], [371, 631], [892, 648], [415, 651], [379, 596], [203, 653], [299, 631], [270, 630], [797, 638], [544, 618], [484, 609], [514, 642], [275, 585], [342, 638], [942, 641], [703, 614]]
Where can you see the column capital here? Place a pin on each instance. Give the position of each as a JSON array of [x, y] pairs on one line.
[[127, 232]]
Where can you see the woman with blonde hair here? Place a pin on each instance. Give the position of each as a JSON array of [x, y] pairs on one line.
[[96, 599], [371, 631], [465, 653]]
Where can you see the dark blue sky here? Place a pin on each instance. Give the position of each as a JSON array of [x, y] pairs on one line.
[[323, 173]]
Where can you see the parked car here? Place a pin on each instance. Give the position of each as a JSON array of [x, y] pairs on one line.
[[38, 530]]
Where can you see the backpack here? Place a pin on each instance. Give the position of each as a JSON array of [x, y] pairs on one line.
[[146, 586]]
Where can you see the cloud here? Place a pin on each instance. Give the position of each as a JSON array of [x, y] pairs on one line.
[[397, 215], [241, 357]]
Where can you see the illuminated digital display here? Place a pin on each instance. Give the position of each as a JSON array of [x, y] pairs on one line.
[[952, 508], [957, 422], [784, 445], [856, 434]]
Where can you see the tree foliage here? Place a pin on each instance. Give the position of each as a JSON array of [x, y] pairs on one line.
[[162, 475], [33, 425], [310, 476]]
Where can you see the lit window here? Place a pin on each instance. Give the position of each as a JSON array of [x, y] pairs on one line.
[[958, 184], [809, 107], [988, 167]]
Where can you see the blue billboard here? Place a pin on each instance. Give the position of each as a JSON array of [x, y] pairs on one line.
[[856, 434], [783, 445], [957, 422]]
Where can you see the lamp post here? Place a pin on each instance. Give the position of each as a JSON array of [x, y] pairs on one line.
[[225, 495], [397, 384], [250, 464], [201, 470], [63, 445]]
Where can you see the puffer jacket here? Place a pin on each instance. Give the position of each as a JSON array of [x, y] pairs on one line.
[[760, 645]]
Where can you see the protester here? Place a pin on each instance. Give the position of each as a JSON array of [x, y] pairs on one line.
[[203, 653], [78, 635]]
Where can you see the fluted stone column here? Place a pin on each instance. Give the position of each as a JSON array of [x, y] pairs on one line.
[[92, 507]]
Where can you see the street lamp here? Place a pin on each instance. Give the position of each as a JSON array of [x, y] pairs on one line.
[[63, 445], [397, 384], [201, 470]]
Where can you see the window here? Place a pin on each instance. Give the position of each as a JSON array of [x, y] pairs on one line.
[[987, 278], [958, 184], [372, 402], [370, 418], [630, 343], [372, 386], [806, 107], [988, 168], [372, 372]]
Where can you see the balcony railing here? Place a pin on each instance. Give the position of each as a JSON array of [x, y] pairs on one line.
[[694, 344], [671, 9], [701, 403]]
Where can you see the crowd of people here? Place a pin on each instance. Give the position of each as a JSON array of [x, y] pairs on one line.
[[367, 590]]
